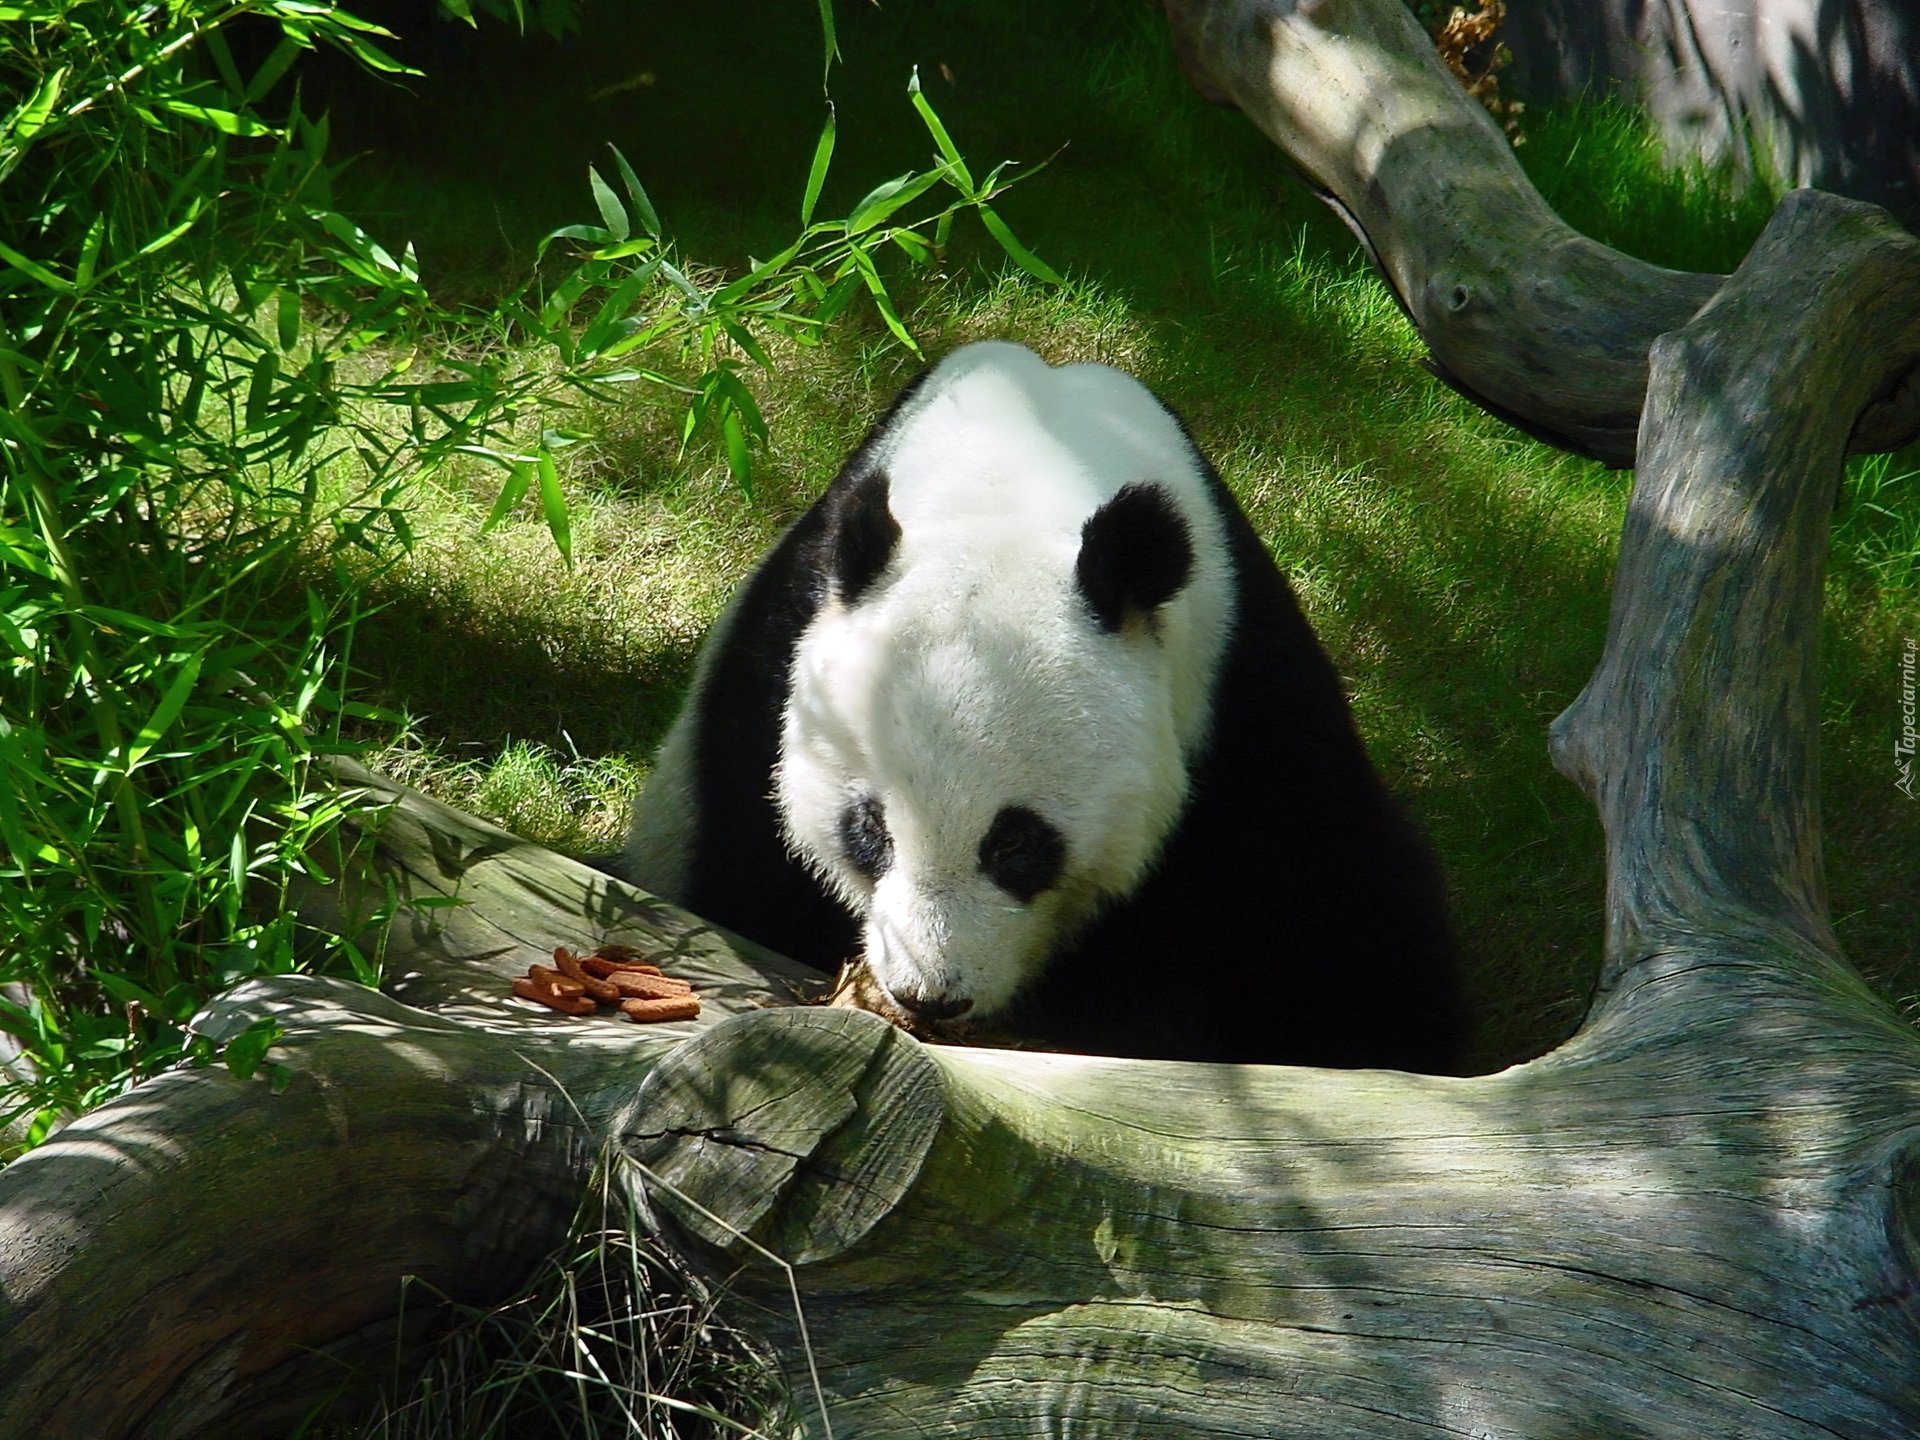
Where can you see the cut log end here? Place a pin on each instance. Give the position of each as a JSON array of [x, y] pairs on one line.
[[797, 1129]]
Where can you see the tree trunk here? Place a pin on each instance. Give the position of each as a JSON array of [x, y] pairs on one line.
[[1810, 92], [1701, 1216]]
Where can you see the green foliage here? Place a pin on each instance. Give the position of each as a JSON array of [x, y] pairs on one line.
[[639, 299], [556, 18], [172, 398]]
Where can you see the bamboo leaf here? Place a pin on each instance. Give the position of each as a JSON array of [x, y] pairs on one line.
[[34, 271], [636, 192], [916, 249], [592, 234], [889, 196], [30, 116], [882, 301], [739, 457], [164, 714], [638, 246], [554, 503], [829, 39], [367, 53], [24, 549], [1022, 256], [741, 337], [762, 270], [111, 618], [260, 389], [245, 1051], [611, 210], [225, 121], [23, 846], [273, 67], [817, 174], [161, 242], [216, 43], [837, 297], [90, 251], [130, 992], [737, 395], [963, 178], [606, 326]]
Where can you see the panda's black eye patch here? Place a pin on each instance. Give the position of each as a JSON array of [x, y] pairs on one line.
[[1021, 853], [865, 838]]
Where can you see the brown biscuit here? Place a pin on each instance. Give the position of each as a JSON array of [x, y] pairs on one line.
[[528, 988], [672, 1007]]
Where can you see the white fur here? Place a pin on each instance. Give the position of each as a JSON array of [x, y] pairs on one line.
[[971, 675]]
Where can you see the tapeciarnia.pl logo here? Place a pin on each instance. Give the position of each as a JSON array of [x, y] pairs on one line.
[[1903, 744]]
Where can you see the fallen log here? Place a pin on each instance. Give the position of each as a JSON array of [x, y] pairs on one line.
[[205, 1256]]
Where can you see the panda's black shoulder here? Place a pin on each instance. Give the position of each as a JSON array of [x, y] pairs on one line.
[[788, 587]]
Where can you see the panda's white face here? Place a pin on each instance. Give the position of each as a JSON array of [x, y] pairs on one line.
[[973, 758], [972, 784]]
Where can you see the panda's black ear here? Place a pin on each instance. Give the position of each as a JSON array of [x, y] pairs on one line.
[[864, 534], [1136, 552]]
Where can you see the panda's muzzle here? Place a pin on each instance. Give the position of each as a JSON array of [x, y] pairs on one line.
[[932, 1007], [924, 991]]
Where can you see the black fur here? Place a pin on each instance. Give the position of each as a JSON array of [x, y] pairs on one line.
[[1136, 553], [864, 533], [1022, 853], [864, 836], [1295, 915]]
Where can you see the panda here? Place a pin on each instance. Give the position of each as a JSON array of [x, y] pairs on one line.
[[1023, 711]]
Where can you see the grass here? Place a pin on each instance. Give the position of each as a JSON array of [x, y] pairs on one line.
[[612, 1335], [1600, 166], [1457, 572]]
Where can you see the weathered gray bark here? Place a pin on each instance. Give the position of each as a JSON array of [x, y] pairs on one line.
[[1699, 1217], [1817, 92]]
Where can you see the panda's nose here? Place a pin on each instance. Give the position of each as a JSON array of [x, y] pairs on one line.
[[933, 1007]]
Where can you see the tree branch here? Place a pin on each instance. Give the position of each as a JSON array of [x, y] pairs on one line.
[[1540, 325]]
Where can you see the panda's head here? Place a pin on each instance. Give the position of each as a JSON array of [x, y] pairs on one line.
[[992, 714]]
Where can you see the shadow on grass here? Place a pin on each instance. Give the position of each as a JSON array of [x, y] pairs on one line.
[[470, 690]]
